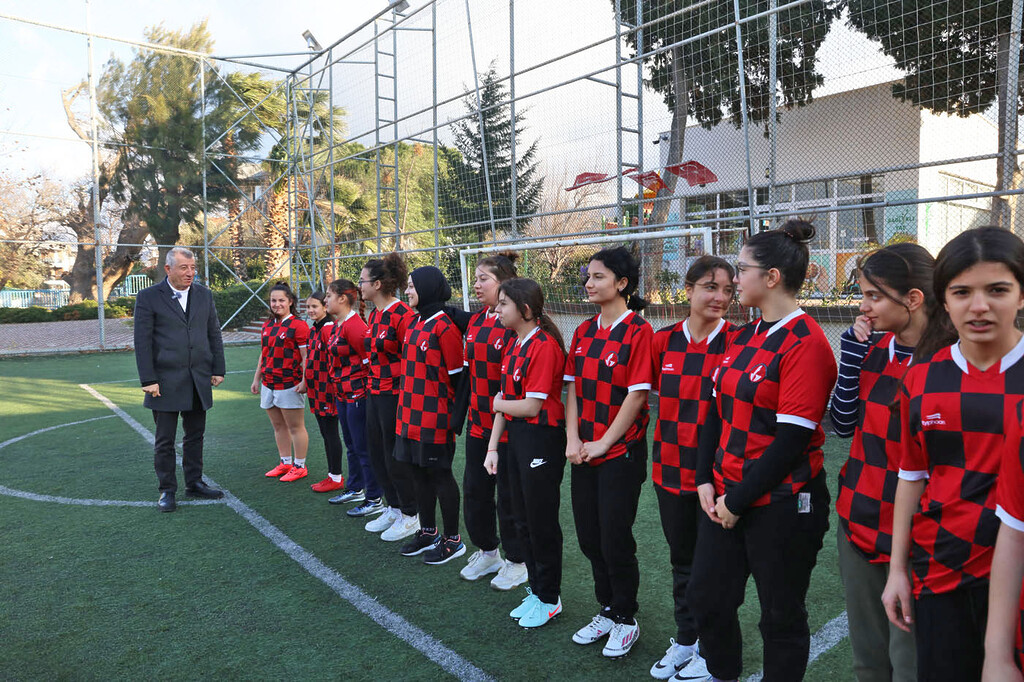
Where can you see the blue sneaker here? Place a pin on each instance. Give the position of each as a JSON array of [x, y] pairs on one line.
[[444, 551], [368, 508], [541, 613], [524, 608], [348, 496]]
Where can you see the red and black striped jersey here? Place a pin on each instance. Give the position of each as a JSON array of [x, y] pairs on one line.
[[606, 364], [532, 368], [280, 353], [781, 374], [486, 342], [1010, 496], [348, 345], [867, 481], [432, 352], [320, 370], [952, 436], [683, 372], [384, 335]]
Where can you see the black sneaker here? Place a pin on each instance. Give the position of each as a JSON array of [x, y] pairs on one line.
[[444, 551], [420, 543]]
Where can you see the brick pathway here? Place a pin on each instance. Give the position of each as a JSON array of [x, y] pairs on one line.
[[79, 335]]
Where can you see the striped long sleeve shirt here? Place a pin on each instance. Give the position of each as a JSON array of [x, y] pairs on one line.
[[845, 406]]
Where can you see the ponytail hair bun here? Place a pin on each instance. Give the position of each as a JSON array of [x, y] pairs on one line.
[[800, 231]]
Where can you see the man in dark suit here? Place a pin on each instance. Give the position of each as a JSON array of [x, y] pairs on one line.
[[180, 356]]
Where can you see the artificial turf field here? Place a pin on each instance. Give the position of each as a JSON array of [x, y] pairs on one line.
[[117, 591]]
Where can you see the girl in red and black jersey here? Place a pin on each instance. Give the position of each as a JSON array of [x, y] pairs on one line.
[[608, 369], [321, 391], [486, 342], [896, 285], [956, 402], [386, 327], [280, 382], [431, 368], [760, 474], [529, 405], [685, 355], [348, 346]]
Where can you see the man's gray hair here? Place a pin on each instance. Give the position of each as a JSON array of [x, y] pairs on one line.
[[172, 256]]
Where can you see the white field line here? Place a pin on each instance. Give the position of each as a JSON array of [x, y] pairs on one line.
[[830, 634], [136, 379], [85, 502], [427, 645]]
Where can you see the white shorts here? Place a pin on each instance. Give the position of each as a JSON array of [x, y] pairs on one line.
[[285, 398]]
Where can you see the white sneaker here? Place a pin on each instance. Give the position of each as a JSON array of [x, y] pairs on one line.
[[676, 656], [481, 564], [384, 521], [403, 527], [509, 577], [621, 639], [696, 669], [598, 627]]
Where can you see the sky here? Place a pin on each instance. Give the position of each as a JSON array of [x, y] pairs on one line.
[[575, 124]]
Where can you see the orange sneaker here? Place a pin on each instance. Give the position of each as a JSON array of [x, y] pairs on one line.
[[295, 473], [327, 485], [281, 468]]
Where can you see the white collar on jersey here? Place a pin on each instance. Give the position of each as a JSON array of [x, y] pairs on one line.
[[622, 317], [892, 350], [784, 321], [520, 342], [283, 319], [350, 314], [393, 303], [711, 336], [1006, 363], [439, 313]]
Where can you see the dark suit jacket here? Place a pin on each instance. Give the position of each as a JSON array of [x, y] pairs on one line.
[[176, 351]]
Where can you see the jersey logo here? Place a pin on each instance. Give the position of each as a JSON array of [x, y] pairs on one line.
[[423, 346], [469, 338], [516, 375], [611, 360], [758, 373], [667, 367], [727, 359], [579, 349], [933, 420], [383, 333], [282, 335], [497, 344], [536, 463]]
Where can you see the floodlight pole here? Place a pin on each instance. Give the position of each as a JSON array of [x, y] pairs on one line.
[[94, 114], [773, 46]]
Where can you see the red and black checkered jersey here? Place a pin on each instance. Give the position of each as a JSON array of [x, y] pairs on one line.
[[385, 333], [486, 342], [867, 481], [683, 372], [280, 353], [532, 368], [348, 346], [781, 374], [952, 436], [320, 370], [606, 364], [432, 353], [1010, 496]]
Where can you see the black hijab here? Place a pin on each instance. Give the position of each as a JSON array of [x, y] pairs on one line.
[[432, 290]]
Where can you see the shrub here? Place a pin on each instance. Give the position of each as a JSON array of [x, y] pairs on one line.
[[32, 314], [230, 299], [86, 310]]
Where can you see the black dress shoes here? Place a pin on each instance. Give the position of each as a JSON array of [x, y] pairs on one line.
[[200, 489], [167, 503]]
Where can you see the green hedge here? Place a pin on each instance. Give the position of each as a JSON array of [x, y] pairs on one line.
[[86, 310], [229, 299]]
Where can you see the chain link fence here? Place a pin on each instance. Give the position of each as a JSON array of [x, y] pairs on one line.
[[448, 126]]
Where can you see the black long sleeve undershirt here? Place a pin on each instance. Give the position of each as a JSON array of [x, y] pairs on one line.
[[767, 472]]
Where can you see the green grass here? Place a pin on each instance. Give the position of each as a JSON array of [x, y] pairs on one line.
[[101, 592]]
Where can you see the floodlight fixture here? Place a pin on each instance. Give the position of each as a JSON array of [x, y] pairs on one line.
[[312, 42], [400, 6]]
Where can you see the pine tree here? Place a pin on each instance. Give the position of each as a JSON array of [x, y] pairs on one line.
[[463, 184]]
